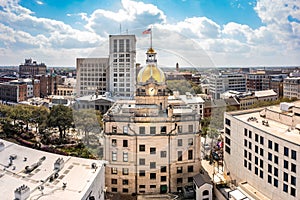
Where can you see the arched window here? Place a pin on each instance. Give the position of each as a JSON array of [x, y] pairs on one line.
[[205, 192]]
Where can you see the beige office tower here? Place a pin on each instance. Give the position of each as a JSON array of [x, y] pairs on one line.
[[122, 58], [152, 145], [91, 76]]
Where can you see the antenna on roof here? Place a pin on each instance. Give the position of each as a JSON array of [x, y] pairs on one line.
[[120, 28]]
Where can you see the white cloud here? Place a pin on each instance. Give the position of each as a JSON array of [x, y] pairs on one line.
[[40, 2]]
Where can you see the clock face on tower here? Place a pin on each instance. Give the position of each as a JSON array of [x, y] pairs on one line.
[[151, 91]]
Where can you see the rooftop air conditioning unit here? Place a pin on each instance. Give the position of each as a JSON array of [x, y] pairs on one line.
[[22, 193]]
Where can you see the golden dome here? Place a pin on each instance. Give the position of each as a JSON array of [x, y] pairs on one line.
[[151, 50], [151, 70]]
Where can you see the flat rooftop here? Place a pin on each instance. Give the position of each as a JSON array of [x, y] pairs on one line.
[[276, 128], [77, 173]]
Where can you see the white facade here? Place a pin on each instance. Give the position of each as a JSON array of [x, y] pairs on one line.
[[91, 76], [219, 83], [122, 69], [262, 149], [291, 87], [31, 174]]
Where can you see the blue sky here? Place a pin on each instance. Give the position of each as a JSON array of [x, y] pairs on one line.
[[222, 32]]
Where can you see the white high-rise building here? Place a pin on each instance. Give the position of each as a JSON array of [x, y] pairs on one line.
[[262, 150], [221, 82], [122, 58], [91, 76]]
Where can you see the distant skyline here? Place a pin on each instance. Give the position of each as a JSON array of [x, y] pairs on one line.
[[192, 32]]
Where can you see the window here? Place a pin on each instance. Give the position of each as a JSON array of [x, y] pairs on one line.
[[152, 130], [142, 130], [286, 151], [125, 190], [125, 156], [125, 182], [256, 137], [125, 171], [245, 132], [227, 141], [152, 150], [261, 163], [152, 175], [269, 144], [261, 152], [245, 163], [163, 178], [179, 155], [256, 170], [256, 149], [163, 169], [125, 143], [114, 189], [114, 142], [286, 164], [142, 147], [191, 168], [293, 180], [152, 186], [205, 192], [152, 165], [163, 154], [114, 170], [269, 168], [269, 156], [227, 122], [114, 181], [125, 129], [163, 130], [114, 129], [227, 131], [294, 154], [179, 170], [256, 160], [293, 167], [269, 179], [285, 187], [190, 179], [275, 182], [190, 141], [179, 180], [245, 142], [250, 145], [275, 171], [293, 191], [190, 154], [250, 134], [114, 156], [276, 147], [227, 149], [261, 140], [191, 128], [142, 161], [275, 159], [179, 142], [261, 174], [142, 173], [142, 186], [179, 129], [285, 177]]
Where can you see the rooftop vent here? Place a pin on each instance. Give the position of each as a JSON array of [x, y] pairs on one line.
[[2, 146], [22, 193], [284, 106], [59, 164]]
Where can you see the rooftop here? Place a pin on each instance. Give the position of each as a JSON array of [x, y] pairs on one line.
[[77, 173], [274, 120]]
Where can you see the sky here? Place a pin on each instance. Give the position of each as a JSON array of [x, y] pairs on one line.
[[233, 33]]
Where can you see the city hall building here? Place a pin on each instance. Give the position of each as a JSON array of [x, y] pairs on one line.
[[152, 145]]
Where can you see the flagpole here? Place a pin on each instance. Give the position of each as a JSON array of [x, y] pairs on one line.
[[151, 38]]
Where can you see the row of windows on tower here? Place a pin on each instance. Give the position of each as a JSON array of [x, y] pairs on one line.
[[142, 147], [152, 129]]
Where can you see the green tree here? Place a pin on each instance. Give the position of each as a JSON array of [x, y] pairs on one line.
[[60, 117], [88, 121], [39, 117]]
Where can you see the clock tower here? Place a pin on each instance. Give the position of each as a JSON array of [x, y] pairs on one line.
[[151, 84]]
